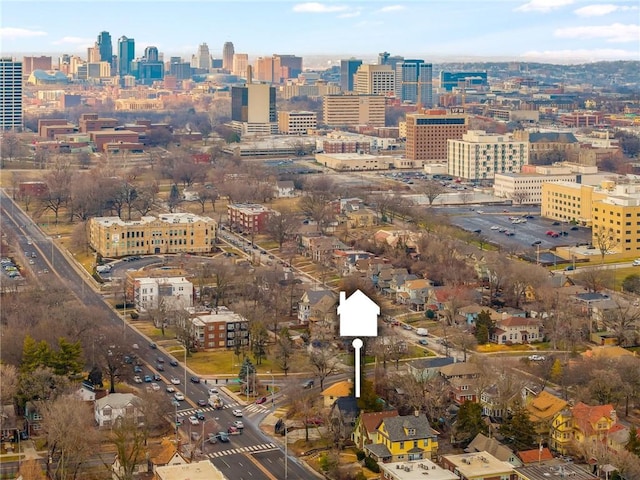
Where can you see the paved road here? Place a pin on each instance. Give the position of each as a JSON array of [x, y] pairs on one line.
[[63, 270]]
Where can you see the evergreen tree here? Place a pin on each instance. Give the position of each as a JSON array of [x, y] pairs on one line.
[[484, 327], [556, 370], [368, 401], [518, 430], [68, 358], [246, 370], [633, 445], [34, 354], [469, 422]]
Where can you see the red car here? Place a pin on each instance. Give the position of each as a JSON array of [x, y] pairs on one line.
[[260, 401]]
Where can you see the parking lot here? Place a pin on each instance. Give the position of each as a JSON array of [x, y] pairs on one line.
[[519, 228]]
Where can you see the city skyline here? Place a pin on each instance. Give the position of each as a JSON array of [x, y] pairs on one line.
[[552, 31]]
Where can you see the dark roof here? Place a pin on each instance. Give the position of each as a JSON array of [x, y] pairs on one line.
[[316, 295], [380, 450], [591, 297], [434, 362], [396, 428], [555, 137], [348, 406]]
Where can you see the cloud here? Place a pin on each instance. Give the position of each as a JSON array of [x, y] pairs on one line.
[[602, 9], [391, 8], [614, 33], [314, 7], [11, 33], [355, 13], [579, 56], [78, 41], [543, 6]]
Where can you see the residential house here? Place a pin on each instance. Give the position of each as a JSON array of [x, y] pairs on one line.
[[535, 455], [33, 419], [470, 313], [406, 437], [285, 189], [428, 368], [581, 424], [366, 427], [335, 391], [617, 438], [482, 443], [495, 403], [517, 330], [462, 379], [552, 471], [140, 467], [320, 248], [385, 276], [9, 427], [113, 407], [343, 415], [360, 218], [414, 293], [478, 466], [165, 453], [415, 470], [316, 305], [542, 410], [345, 260]]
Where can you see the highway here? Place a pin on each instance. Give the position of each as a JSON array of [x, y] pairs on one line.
[[251, 455]]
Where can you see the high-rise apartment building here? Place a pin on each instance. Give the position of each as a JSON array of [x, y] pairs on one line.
[[480, 155], [105, 47], [253, 109], [126, 54], [202, 59], [240, 64], [10, 94], [227, 56], [427, 134], [374, 80], [345, 110], [414, 82], [348, 69]]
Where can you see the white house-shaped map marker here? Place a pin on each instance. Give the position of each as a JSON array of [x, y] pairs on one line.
[[358, 318]]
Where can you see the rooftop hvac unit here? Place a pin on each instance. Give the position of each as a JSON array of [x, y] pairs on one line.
[[398, 467], [433, 467]]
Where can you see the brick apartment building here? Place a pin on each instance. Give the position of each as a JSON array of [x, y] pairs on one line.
[[220, 328], [248, 217], [427, 134]]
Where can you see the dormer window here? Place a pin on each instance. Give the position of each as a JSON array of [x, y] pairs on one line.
[[411, 431]]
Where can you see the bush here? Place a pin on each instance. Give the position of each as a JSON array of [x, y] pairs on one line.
[[134, 315], [371, 464], [360, 455]]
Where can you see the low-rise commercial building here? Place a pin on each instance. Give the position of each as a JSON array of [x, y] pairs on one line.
[[169, 233], [477, 466], [296, 123]]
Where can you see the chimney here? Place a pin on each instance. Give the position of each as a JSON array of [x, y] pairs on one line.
[[416, 413], [343, 297]]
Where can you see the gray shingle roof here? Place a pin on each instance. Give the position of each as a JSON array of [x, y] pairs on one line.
[[378, 449], [398, 428]]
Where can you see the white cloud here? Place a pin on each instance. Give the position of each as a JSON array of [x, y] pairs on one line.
[[391, 8], [12, 33], [615, 33], [78, 41], [543, 5], [355, 13], [314, 7], [579, 56], [602, 9]]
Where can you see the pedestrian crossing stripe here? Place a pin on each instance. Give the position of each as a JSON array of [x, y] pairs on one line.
[[265, 447], [250, 408]]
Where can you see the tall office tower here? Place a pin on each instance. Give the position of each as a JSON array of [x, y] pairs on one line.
[[227, 56], [126, 54], [451, 80], [240, 64], [427, 134], [202, 59], [151, 54], [414, 82], [253, 109], [385, 58], [285, 67], [10, 94], [105, 47], [340, 110], [93, 54], [150, 68], [374, 80], [348, 69], [263, 69]]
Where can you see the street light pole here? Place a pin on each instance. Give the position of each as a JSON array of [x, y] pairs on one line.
[[273, 385]]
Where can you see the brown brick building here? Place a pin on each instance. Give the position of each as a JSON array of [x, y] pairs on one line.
[[427, 134]]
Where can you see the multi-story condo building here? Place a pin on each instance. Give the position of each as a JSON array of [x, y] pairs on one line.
[[220, 328], [296, 123], [240, 64], [253, 109], [480, 155], [427, 134], [414, 82], [126, 54], [349, 110], [169, 233], [227, 56], [168, 293], [374, 80], [451, 80], [10, 94], [248, 217], [348, 69], [526, 187]]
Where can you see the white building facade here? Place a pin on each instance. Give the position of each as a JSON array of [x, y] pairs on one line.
[[480, 155], [172, 293]]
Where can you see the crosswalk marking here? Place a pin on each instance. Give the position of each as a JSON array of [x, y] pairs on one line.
[[264, 447], [253, 408]]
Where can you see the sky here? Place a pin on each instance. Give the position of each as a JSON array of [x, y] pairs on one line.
[[553, 31]]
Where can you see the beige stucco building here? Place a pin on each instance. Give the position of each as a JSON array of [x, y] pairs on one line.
[[374, 80], [170, 233], [345, 110]]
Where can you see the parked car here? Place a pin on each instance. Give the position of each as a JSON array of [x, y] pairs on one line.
[[147, 379], [308, 384], [137, 369], [536, 358], [137, 379], [423, 341], [155, 387], [156, 377], [237, 412]]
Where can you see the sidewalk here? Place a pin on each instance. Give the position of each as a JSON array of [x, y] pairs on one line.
[[29, 452]]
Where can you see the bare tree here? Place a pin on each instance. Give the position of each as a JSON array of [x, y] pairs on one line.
[[130, 444], [624, 322], [324, 362], [604, 240], [432, 190], [9, 382], [519, 196], [594, 279], [281, 225]]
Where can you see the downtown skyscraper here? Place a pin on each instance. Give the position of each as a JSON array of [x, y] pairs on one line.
[[126, 54], [105, 47], [10, 94], [414, 82], [227, 56]]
